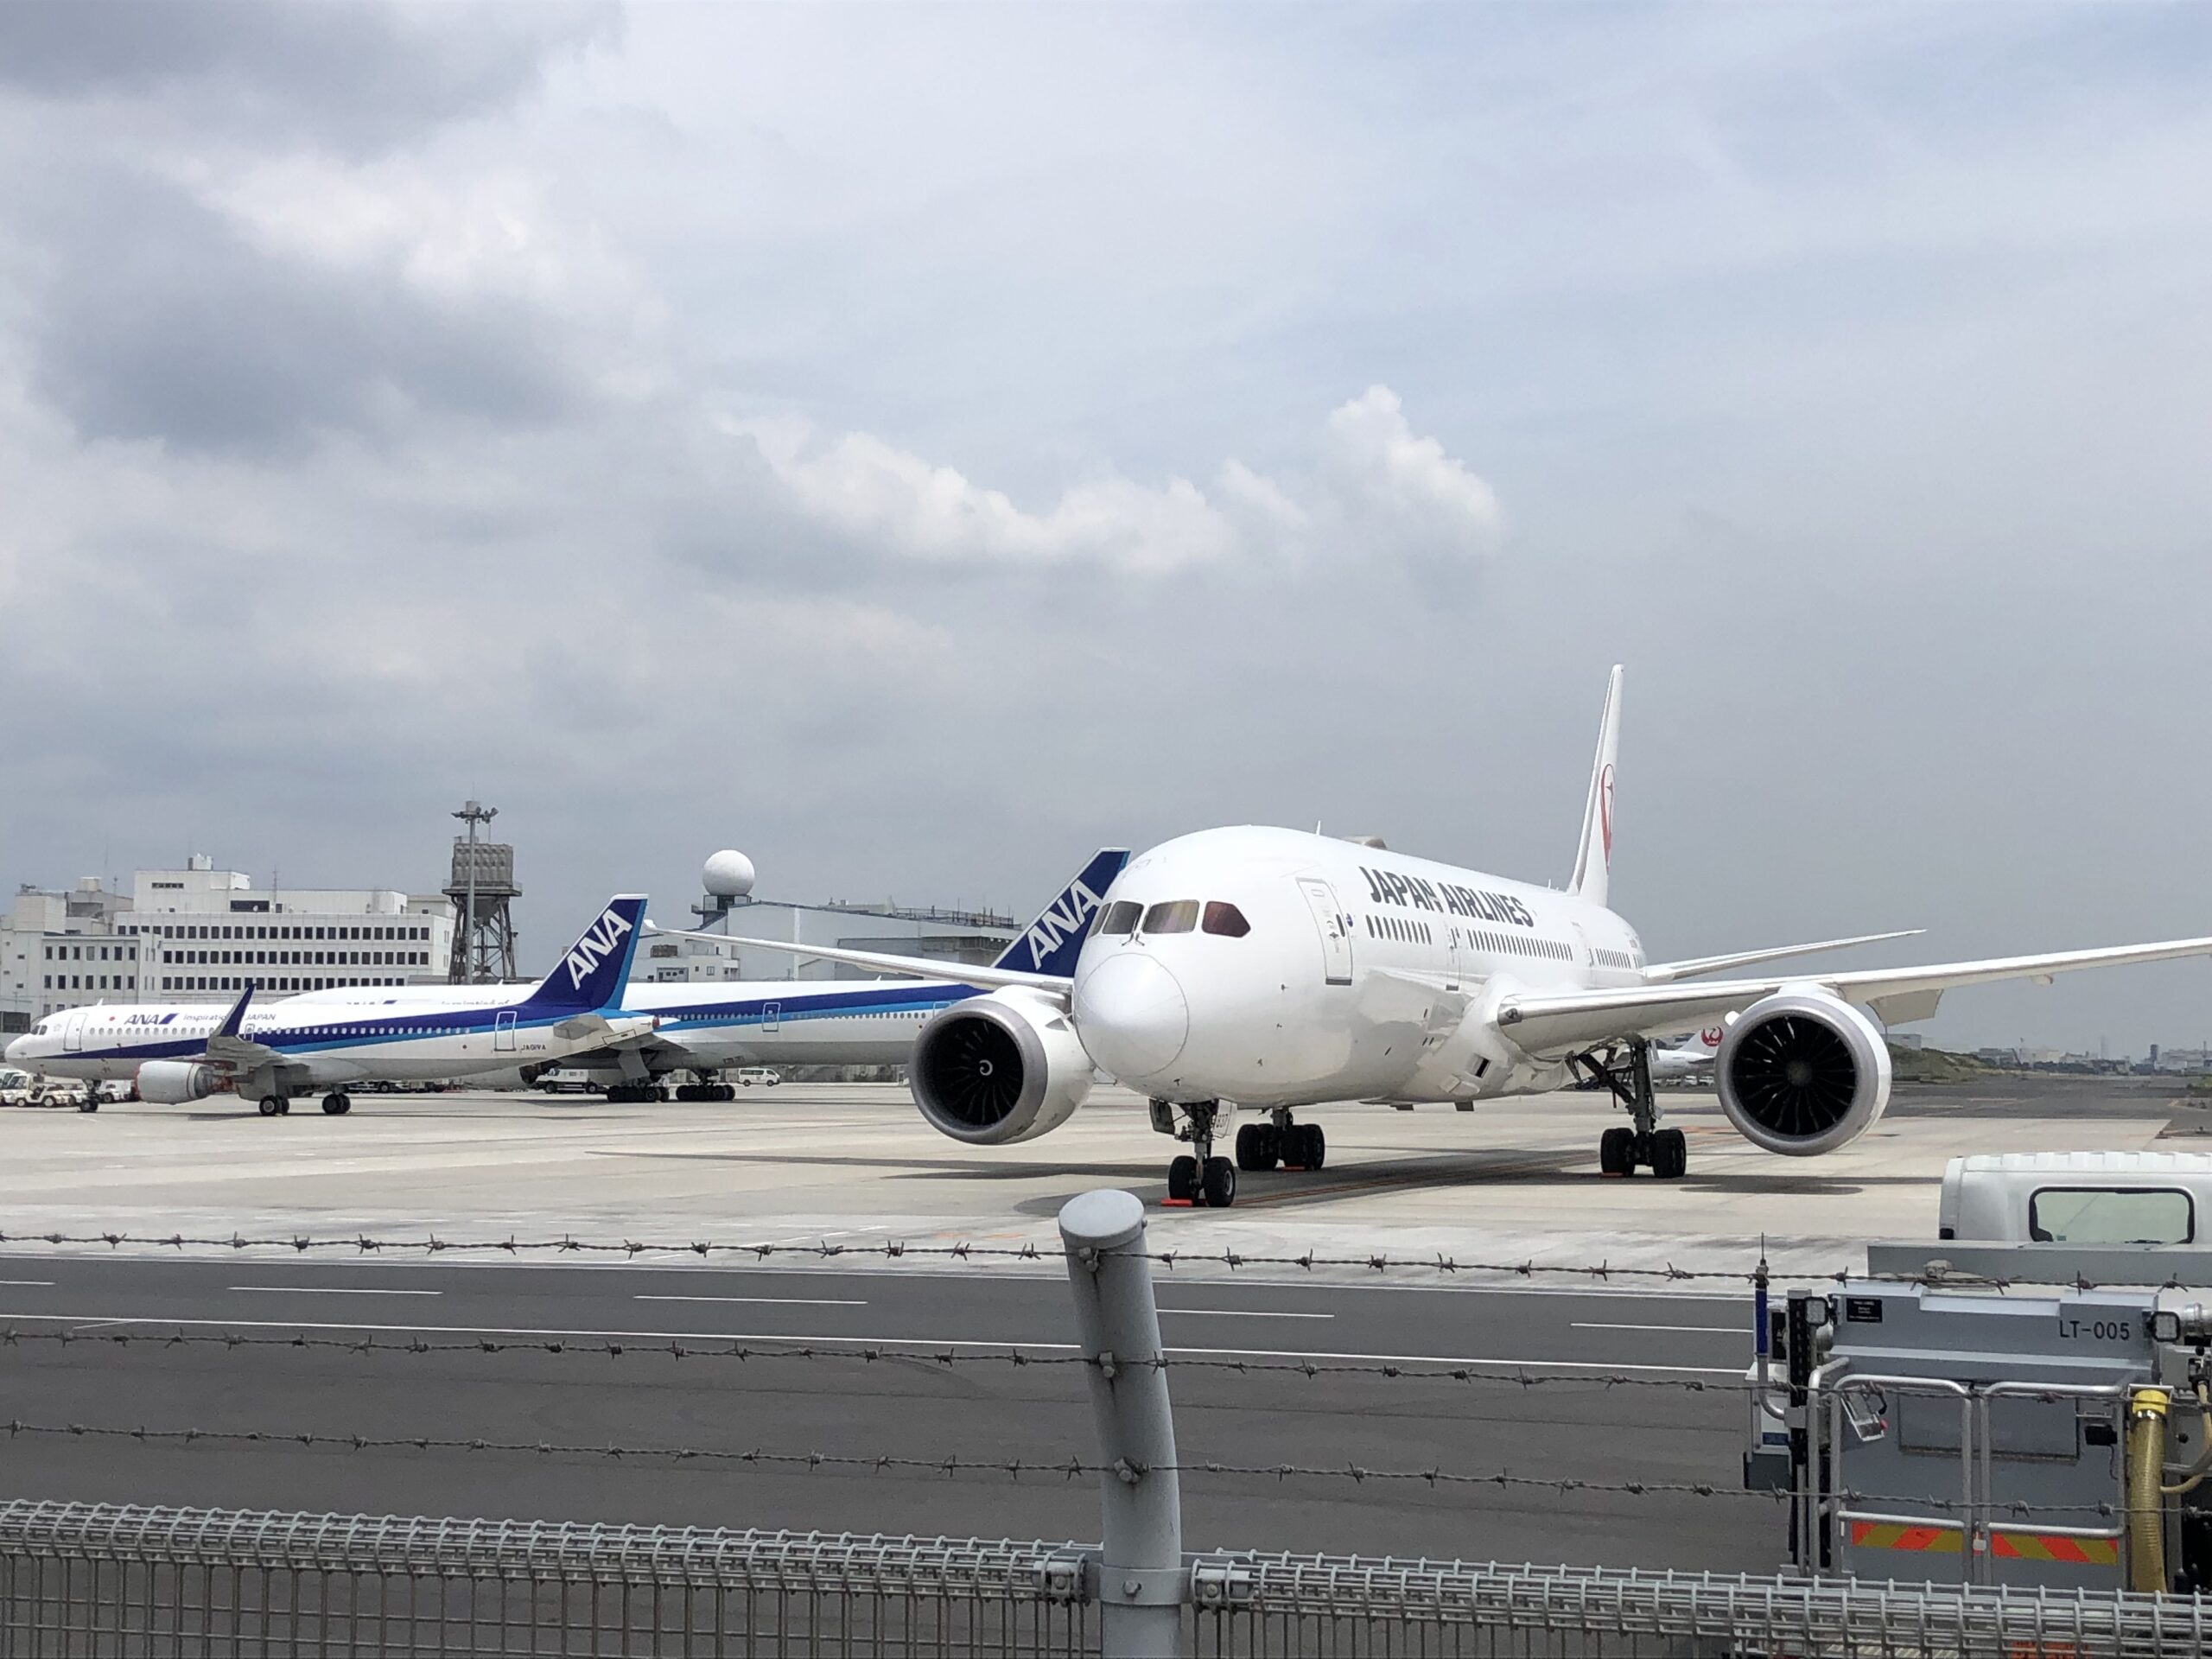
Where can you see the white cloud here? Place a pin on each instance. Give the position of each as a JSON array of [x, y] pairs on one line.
[[1378, 486], [1373, 452]]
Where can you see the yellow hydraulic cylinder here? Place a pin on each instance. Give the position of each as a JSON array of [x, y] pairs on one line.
[[2146, 1460]]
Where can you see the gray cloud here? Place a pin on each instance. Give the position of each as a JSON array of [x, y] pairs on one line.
[[354, 466], [360, 76], [160, 320]]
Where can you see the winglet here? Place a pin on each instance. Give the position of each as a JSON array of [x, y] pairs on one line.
[[234, 1022], [1593, 859], [1051, 943], [594, 970]]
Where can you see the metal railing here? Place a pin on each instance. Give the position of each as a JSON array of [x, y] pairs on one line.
[[91, 1579], [87, 1578]]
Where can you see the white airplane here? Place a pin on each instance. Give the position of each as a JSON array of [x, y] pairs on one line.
[[1273, 970], [183, 1052], [1688, 1057], [712, 1028]]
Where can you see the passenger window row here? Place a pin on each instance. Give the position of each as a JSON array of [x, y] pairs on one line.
[[1126, 916], [1522, 945], [1398, 927]]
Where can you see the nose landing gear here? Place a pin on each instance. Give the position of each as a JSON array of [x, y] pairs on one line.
[[1665, 1153], [1199, 1177]]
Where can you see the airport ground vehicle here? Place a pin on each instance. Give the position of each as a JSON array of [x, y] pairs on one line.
[[563, 1080], [14, 1087], [2058, 1438], [2078, 1198], [750, 1075]]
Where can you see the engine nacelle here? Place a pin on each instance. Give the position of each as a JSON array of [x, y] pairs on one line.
[[171, 1082], [999, 1068], [1802, 1073]]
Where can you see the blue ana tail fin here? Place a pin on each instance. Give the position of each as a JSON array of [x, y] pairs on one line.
[[593, 971], [1051, 944], [235, 1020]]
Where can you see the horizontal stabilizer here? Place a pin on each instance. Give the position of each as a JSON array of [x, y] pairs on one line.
[[957, 973], [1665, 973]]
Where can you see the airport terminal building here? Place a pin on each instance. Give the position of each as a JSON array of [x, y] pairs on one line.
[[201, 932]]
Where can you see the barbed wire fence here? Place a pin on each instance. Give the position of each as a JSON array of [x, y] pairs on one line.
[[1042, 1257]]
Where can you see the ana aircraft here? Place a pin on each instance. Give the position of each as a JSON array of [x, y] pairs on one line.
[[184, 1051], [1276, 970], [705, 1028]]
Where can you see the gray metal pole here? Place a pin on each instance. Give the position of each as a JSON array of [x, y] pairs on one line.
[[1142, 1585]]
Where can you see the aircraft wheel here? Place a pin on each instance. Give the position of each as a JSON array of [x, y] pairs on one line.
[[90, 1104], [1219, 1183], [1671, 1154], [1183, 1179], [724, 1091], [336, 1105], [1317, 1145], [1256, 1146], [1616, 1151], [271, 1105]]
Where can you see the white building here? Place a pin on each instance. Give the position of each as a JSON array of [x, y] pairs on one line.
[[58, 950], [209, 932], [181, 934]]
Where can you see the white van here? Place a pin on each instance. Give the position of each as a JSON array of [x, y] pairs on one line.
[[2078, 1198], [766, 1075]]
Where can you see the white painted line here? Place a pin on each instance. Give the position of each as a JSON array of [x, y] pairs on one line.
[[767, 1301], [1245, 1313], [917, 1343], [1715, 1330], [30, 1284], [331, 1290]]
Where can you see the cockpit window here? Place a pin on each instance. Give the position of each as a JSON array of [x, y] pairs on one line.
[[1225, 919], [1119, 917], [1176, 916]]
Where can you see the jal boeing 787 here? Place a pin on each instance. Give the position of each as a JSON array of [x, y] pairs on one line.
[[1274, 970]]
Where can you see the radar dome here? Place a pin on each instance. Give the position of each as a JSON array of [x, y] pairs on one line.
[[729, 874]]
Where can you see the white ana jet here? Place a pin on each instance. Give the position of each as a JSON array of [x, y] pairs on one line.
[[176, 1052], [1274, 970]]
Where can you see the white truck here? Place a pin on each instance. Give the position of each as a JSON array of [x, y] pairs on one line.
[[2161, 1198]]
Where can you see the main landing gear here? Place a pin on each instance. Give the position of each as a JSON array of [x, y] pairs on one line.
[[1665, 1153], [706, 1091], [1279, 1141], [337, 1105], [274, 1105], [634, 1094]]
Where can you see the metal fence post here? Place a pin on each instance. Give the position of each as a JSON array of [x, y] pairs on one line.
[[1142, 1584]]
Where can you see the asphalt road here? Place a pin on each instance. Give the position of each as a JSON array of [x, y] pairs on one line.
[[842, 1402]]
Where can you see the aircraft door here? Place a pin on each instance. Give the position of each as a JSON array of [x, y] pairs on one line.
[[1336, 941], [1451, 958], [503, 1033], [771, 1016], [73, 1034]]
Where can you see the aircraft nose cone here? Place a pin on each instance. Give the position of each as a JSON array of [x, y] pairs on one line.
[[1131, 1015], [16, 1051]]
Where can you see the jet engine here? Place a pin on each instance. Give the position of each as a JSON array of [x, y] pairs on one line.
[[999, 1068], [1802, 1073], [171, 1082]]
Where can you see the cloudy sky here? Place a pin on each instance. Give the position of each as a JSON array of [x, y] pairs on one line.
[[918, 445]]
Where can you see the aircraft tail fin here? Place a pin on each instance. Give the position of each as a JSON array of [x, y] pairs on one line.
[[1593, 861], [1051, 943], [234, 1022], [593, 971]]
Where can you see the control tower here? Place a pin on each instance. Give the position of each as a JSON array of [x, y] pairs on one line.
[[482, 891]]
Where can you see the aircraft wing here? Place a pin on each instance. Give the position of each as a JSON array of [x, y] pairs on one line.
[[616, 1029], [226, 1047], [1561, 1022], [956, 973], [1662, 973]]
